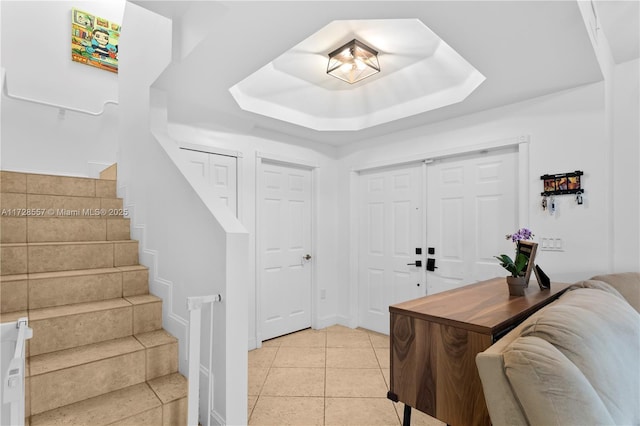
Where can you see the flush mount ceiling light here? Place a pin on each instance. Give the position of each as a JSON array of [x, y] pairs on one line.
[[421, 73], [353, 62]]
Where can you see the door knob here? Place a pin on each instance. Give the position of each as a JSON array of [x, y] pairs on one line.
[[306, 257], [417, 264], [431, 265]]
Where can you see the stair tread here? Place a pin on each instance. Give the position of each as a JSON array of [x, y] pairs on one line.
[[155, 338], [67, 358], [15, 277], [132, 268], [77, 308], [142, 299], [12, 316], [102, 410], [170, 387], [71, 273]]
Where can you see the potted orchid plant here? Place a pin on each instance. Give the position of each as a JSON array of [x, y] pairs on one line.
[[517, 267]]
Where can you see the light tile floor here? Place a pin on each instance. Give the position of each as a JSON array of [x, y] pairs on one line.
[[335, 376]]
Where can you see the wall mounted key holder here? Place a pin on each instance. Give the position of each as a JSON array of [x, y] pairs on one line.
[[561, 184]]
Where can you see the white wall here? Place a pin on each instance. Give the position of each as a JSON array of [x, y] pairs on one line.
[[325, 234], [625, 176], [191, 243], [38, 66]]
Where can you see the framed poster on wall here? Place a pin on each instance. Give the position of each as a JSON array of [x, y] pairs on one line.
[[94, 40]]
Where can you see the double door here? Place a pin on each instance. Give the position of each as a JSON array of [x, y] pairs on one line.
[[449, 215]]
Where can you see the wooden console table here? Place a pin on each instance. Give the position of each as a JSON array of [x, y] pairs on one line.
[[435, 339]]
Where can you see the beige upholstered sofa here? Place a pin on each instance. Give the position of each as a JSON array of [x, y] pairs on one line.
[[574, 362]]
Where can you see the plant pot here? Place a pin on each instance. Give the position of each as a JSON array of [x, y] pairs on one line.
[[516, 286]]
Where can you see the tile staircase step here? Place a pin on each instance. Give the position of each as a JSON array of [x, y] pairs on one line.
[[47, 289], [30, 183], [13, 259], [21, 258], [172, 392], [63, 229], [64, 377], [66, 206], [147, 313], [64, 327], [135, 280], [13, 293], [135, 405], [98, 335], [161, 353]]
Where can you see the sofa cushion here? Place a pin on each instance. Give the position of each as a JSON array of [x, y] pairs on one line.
[[579, 350], [550, 388], [627, 283]]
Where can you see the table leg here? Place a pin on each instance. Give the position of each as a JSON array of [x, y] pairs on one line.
[[406, 421]]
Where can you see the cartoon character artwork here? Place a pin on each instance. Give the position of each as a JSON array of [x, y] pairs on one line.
[[94, 40]]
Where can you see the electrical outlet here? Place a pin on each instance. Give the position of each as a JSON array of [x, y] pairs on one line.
[[323, 294]]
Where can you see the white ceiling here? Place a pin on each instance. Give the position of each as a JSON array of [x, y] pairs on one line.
[[524, 49], [419, 72]]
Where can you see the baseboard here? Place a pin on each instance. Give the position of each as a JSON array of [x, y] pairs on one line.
[[216, 418], [252, 343], [346, 321], [327, 321]]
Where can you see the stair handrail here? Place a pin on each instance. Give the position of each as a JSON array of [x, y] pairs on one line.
[[62, 108], [194, 305], [13, 382]]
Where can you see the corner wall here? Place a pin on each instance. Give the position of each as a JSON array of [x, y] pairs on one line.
[[191, 243]]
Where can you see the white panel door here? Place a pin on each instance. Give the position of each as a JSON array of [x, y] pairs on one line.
[[471, 206], [220, 173], [391, 228], [285, 242]]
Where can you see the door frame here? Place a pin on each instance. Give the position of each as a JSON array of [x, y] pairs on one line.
[[520, 142], [261, 158]]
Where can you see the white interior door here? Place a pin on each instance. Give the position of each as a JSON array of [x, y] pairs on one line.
[[391, 229], [220, 173], [285, 242], [471, 206]]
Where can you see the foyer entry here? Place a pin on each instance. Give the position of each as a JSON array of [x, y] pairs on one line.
[[448, 215]]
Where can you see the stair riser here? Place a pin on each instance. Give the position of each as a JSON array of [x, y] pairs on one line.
[[151, 417], [60, 205], [60, 291], [147, 317], [13, 295], [54, 334], [29, 205], [135, 282], [162, 360], [65, 257], [56, 185], [41, 229], [22, 292], [59, 388], [13, 259], [68, 331]]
